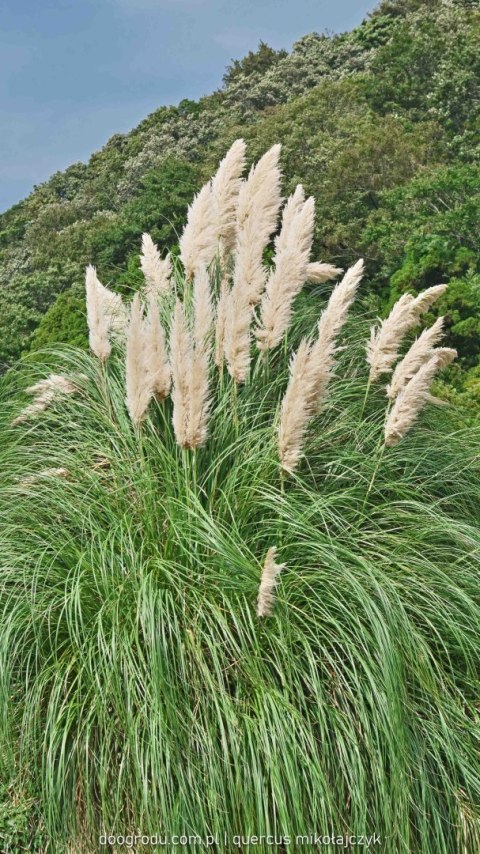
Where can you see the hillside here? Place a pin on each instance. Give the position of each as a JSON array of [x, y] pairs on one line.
[[380, 124]]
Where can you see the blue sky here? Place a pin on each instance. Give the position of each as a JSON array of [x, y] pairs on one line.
[[73, 72]]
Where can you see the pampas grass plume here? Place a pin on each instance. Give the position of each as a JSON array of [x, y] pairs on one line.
[[385, 340], [138, 381], [199, 242], [415, 395], [319, 273], [225, 189], [268, 582], [44, 393], [257, 214], [288, 277], [311, 369], [181, 358], [156, 271], [156, 357], [331, 321], [417, 355], [105, 314]]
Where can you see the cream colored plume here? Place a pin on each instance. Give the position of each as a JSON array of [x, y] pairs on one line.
[[385, 340], [311, 369], [220, 322], [418, 354], [289, 274], [257, 214], [156, 270], [105, 314], [268, 582], [225, 189], [319, 273], [426, 298], [199, 241], [138, 380], [293, 206], [331, 321], [156, 357], [44, 392], [181, 358], [415, 395], [203, 309], [31, 479], [296, 409]]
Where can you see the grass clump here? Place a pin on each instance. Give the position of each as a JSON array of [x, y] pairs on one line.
[[141, 690]]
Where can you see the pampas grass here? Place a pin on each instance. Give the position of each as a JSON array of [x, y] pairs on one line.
[[311, 369], [137, 376], [156, 357], [289, 274], [105, 314], [225, 189], [414, 395], [417, 355], [257, 214], [385, 340], [268, 582], [138, 689], [157, 271], [44, 392], [199, 240]]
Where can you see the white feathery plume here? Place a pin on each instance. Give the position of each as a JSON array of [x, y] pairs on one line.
[[156, 270], [105, 314], [268, 583], [156, 357], [319, 272], [181, 359], [199, 399], [426, 298], [97, 319], [257, 213], [138, 382], [44, 393], [331, 321], [225, 189], [382, 349], [310, 371], [199, 242], [295, 410], [221, 315], [385, 340], [203, 309], [288, 277], [293, 206], [415, 395], [417, 355]]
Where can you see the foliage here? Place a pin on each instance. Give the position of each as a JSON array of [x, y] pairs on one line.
[[131, 606]]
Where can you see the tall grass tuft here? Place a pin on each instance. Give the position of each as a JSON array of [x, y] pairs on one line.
[[142, 689]]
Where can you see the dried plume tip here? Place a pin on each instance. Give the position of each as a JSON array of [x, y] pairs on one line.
[[268, 582], [385, 340], [156, 270], [415, 395], [44, 393]]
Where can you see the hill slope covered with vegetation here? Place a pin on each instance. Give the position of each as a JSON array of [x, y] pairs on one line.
[[380, 124]]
